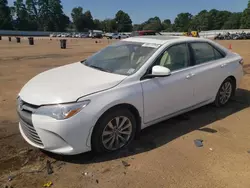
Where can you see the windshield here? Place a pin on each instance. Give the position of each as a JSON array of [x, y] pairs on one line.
[[121, 58]]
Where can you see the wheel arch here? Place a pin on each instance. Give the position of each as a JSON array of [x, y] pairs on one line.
[[131, 108], [234, 82], [228, 77]]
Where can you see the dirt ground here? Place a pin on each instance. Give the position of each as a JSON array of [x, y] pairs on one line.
[[165, 154]]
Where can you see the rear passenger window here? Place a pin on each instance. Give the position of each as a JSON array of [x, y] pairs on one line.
[[217, 54], [203, 52]]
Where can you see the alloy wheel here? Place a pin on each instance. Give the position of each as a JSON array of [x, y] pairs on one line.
[[225, 92], [117, 133]]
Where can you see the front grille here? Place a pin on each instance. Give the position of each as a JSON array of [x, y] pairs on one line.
[[31, 133], [25, 111]]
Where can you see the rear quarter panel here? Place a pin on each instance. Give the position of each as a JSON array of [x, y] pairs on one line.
[[234, 68]]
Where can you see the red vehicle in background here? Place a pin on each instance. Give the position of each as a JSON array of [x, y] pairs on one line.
[[144, 32]]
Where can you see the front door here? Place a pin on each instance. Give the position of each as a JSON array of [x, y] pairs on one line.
[[167, 95]]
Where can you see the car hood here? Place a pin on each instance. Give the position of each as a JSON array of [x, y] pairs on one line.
[[67, 84]]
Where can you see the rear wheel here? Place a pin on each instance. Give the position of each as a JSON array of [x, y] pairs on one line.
[[114, 130], [225, 92]]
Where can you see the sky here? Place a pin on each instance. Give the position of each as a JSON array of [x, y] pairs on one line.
[[141, 10]]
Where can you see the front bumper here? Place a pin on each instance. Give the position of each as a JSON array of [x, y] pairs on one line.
[[68, 137]]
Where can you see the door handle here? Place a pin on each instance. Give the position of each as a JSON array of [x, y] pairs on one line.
[[223, 65], [190, 75]]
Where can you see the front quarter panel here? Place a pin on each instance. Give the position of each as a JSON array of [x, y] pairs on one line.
[[130, 93]]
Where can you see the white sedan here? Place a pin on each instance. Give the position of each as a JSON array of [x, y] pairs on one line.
[[101, 103], [119, 36]]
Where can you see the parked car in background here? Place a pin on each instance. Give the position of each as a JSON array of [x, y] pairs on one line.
[[119, 36], [108, 35], [78, 35], [52, 35], [63, 35], [68, 35], [97, 35], [102, 102], [144, 32], [84, 35]]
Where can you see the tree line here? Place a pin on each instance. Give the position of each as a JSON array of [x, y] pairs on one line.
[[48, 15]]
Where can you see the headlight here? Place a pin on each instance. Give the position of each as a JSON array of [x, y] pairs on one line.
[[62, 111]]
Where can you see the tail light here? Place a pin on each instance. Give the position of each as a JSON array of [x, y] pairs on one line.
[[241, 62]]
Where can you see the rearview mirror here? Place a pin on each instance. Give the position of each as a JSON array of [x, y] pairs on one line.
[[160, 71]]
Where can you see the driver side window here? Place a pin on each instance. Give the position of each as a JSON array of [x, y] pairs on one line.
[[175, 57]]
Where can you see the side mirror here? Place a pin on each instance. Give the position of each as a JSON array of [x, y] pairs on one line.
[[160, 71]]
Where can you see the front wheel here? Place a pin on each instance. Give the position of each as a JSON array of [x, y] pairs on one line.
[[225, 92], [114, 130]]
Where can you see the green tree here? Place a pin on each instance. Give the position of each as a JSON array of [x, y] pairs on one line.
[[245, 20], [109, 25], [167, 25], [200, 22], [234, 21], [33, 17], [32, 7], [71, 27], [88, 20], [44, 15], [217, 19], [51, 16], [78, 18], [59, 20], [5, 15], [123, 21], [97, 24], [21, 14], [137, 27], [182, 22], [223, 17], [82, 21], [153, 24]]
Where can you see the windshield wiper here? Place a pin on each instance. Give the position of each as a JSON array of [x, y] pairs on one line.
[[99, 68]]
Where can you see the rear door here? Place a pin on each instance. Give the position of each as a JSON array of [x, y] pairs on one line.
[[209, 70]]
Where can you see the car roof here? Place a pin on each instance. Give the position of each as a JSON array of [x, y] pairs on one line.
[[161, 39]]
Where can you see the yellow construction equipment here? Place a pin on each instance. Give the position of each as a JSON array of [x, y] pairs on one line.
[[191, 34]]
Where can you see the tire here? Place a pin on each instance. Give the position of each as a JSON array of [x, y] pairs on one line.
[[103, 134], [225, 93]]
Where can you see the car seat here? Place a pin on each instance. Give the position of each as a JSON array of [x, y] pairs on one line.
[[173, 59]]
